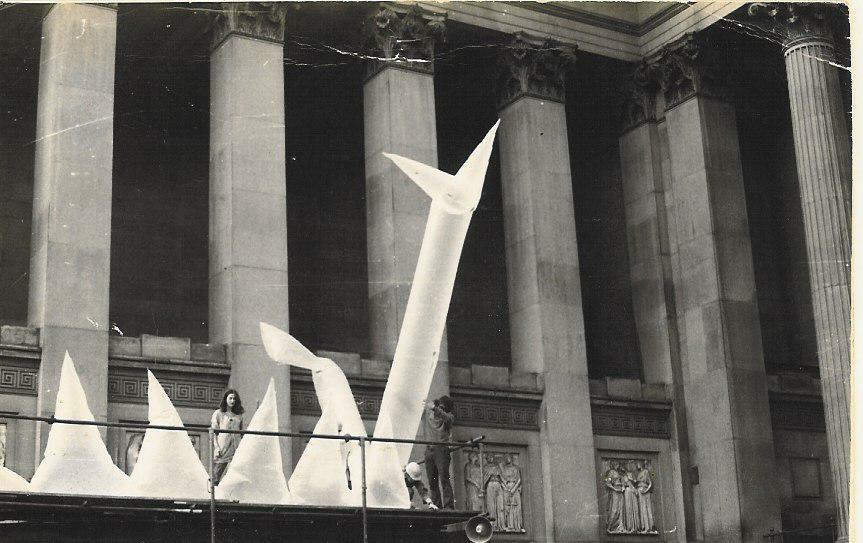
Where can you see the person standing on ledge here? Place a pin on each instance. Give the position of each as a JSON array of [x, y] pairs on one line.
[[438, 427], [229, 416]]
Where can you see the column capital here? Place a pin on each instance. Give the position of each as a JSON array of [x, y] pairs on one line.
[[686, 68], [533, 66], [259, 20], [404, 36], [795, 22], [639, 95]]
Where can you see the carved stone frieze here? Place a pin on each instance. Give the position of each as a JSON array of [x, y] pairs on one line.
[[629, 486], [639, 96], [630, 421], [533, 66], [261, 20], [794, 22], [797, 414], [130, 386], [403, 36], [686, 68], [493, 483]]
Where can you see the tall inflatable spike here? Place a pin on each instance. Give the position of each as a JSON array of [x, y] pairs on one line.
[[76, 461], [168, 465], [255, 474], [321, 475], [12, 482], [386, 484], [453, 200]]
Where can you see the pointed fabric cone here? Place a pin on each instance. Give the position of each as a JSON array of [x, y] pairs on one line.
[[255, 474], [12, 482], [76, 461], [386, 482], [168, 465], [319, 478]]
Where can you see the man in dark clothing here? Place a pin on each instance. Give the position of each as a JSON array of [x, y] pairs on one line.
[[438, 427], [413, 480]]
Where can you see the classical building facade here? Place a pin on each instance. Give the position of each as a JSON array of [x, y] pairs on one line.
[[651, 319]]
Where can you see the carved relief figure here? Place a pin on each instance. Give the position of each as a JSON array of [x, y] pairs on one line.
[[494, 494], [132, 451], [644, 484], [512, 498], [614, 510], [629, 505], [473, 483]]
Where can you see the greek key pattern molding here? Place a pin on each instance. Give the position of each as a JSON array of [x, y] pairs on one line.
[[797, 415], [18, 380], [630, 422], [132, 388]]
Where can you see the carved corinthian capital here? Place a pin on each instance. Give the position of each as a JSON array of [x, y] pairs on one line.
[[795, 22], [403, 36], [533, 66], [261, 20], [688, 68], [639, 95]]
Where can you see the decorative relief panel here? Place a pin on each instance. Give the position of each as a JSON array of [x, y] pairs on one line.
[[495, 486], [134, 440], [130, 386], [18, 380], [629, 488], [797, 415], [469, 411], [631, 422]]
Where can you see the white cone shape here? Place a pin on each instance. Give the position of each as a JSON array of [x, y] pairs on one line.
[[453, 200], [386, 482], [168, 465], [319, 477], [255, 473], [76, 461], [331, 385], [12, 482]]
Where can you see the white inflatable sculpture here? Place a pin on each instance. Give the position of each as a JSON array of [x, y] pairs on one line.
[[386, 482], [255, 474], [168, 465], [454, 199], [12, 482], [76, 461], [320, 477]]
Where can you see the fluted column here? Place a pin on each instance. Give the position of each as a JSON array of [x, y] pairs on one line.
[[71, 237], [399, 117], [723, 376], [823, 155], [543, 282], [248, 225]]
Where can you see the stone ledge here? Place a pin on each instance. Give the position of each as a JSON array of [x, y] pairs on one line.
[[19, 335], [615, 388], [794, 383], [149, 347]]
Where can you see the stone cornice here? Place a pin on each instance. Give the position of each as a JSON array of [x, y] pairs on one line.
[[533, 66], [685, 68], [402, 36], [259, 20], [795, 22]]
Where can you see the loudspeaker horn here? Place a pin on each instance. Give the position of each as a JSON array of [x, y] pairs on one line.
[[478, 529]]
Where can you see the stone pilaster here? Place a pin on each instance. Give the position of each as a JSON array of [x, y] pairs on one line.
[[543, 283], [724, 381], [823, 156], [399, 117], [71, 237], [248, 225]]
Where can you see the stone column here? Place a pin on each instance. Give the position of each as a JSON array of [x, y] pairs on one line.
[[248, 225], [823, 153], [71, 236], [544, 290], [728, 414], [399, 117]]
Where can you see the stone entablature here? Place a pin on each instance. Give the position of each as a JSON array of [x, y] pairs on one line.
[[259, 20], [533, 66], [403, 36]]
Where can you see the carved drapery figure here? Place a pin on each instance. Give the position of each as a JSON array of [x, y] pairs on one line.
[[614, 509], [495, 504], [631, 519], [473, 483], [644, 485], [512, 488], [533, 66], [133, 448]]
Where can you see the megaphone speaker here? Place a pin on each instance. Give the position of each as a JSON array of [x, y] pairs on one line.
[[478, 529]]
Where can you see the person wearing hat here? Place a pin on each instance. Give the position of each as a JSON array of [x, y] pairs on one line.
[[413, 480], [438, 427]]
